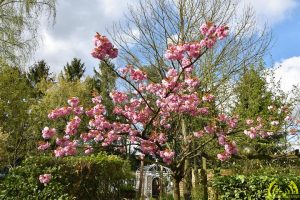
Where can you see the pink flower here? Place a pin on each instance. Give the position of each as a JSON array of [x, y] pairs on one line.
[[72, 126], [204, 111], [222, 117], [204, 28], [249, 121], [43, 146], [148, 147], [73, 102], [208, 98], [48, 133], [198, 134], [210, 129], [167, 156], [59, 152], [103, 48], [78, 110], [175, 52], [288, 118], [223, 156], [252, 133], [222, 32], [88, 150], [45, 178], [118, 97], [137, 75], [231, 148], [60, 112], [222, 139]]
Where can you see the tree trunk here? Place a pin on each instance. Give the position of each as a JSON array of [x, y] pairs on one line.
[[204, 179], [187, 184], [196, 173], [176, 191], [161, 183], [141, 185]]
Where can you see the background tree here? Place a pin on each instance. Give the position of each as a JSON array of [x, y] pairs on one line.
[[38, 72], [16, 97], [105, 83], [73, 71], [19, 27], [255, 97], [55, 95]]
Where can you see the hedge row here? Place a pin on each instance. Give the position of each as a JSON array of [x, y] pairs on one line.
[[256, 187], [92, 177]]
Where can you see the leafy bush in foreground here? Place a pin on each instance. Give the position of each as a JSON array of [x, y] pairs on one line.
[[94, 177]]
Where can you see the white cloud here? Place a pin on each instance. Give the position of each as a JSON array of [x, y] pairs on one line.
[[271, 11], [76, 23], [288, 70]]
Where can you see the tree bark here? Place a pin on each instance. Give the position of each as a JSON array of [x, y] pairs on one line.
[[141, 185], [196, 173], [187, 186], [176, 191], [204, 179]]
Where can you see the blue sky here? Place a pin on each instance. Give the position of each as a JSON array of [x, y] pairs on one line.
[[286, 35], [77, 21]]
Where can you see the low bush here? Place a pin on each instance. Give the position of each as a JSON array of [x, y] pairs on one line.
[[91, 177], [255, 186]]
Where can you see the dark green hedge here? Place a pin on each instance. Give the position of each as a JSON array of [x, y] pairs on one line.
[[255, 186], [92, 177]]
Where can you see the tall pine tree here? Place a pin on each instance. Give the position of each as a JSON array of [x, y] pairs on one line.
[[104, 83], [253, 99], [73, 71], [38, 72]]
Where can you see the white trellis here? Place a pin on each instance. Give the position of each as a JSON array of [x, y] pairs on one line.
[[151, 174]]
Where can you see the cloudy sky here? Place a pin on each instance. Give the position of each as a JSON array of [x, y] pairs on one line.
[[78, 20]]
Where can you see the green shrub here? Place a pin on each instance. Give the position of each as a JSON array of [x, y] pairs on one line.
[[253, 187], [91, 177]]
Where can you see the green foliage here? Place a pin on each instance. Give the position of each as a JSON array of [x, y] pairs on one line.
[[104, 83], [16, 97], [253, 98], [56, 95], [19, 27], [253, 186], [92, 177], [74, 71], [38, 72]]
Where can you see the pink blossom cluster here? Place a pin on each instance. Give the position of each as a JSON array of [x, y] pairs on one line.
[[193, 50], [48, 133], [209, 30], [60, 112], [167, 156], [65, 147], [135, 74], [103, 48], [65, 111], [118, 97], [44, 146], [72, 126], [230, 149], [45, 178], [256, 128]]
